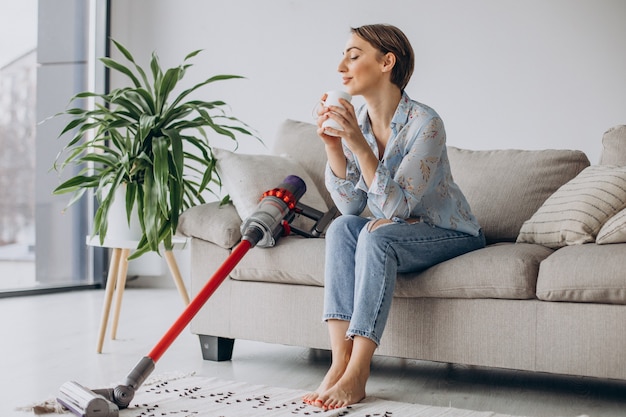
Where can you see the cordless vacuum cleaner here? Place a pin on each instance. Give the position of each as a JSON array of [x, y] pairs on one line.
[[270, 220]]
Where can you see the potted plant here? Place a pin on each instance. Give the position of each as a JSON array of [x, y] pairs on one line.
[[153, 144]]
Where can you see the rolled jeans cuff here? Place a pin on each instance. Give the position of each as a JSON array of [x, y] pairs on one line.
[[352, 332], [336, 316]]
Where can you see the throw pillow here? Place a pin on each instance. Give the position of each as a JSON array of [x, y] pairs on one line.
[[246, 177], [614, 146], [614, 230], [299, 140], [576, 211]]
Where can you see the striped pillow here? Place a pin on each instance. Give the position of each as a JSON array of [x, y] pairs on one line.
[[576, 211], [614, 230]]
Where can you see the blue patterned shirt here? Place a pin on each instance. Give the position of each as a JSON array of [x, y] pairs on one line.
[[413, 178]]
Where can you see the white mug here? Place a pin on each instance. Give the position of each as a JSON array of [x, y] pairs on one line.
[[332, 99]]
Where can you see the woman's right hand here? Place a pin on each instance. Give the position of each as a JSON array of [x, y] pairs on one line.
[[323, 113], [334, 148]]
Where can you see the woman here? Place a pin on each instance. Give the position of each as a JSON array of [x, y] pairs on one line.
[[390, 155]]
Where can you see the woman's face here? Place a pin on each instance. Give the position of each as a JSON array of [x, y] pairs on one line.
[[361, 67]]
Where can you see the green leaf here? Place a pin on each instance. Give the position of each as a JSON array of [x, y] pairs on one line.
[[123, 50], [151, 211], [165, 86], [155, 67], [73, 184], [131, 194], [110, 63], [192, 54], [178, 156], [205, 82], [161, 172], [225, 200], [130, 58], [147, 99]]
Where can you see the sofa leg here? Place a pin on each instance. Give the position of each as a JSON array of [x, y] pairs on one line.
[[216, 348]]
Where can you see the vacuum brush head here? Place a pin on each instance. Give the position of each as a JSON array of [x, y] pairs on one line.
[[84, 402]]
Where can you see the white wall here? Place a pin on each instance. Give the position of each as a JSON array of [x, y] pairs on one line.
[[529, 74], [502, 73]]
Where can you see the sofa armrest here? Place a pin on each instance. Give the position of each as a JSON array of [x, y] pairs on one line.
[[215, 223]]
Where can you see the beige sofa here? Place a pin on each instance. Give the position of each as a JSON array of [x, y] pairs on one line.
[[542, 296]]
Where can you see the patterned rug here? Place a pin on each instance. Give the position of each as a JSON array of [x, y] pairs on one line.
[[192, 396]]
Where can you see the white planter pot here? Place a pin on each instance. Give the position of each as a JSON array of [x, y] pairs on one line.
[[118, 227]]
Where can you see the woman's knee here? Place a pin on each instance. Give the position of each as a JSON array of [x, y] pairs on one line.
[[374, 224], [373, 241]]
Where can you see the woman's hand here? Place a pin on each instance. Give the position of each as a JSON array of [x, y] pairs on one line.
[[334, 148], [346, 118], [352, 136], [323, 115]]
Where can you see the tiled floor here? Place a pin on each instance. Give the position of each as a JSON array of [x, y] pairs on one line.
[[50, 339]]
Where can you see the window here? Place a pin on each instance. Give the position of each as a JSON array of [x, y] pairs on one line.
[[42, 64]]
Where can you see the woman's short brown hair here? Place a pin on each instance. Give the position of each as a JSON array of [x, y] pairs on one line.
[[388, 38]]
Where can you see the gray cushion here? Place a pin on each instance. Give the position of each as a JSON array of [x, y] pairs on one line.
[[246, 177], [584, 273], [506, 187], [503, 270], [614, 230], [294, 260], [213, 223], [499, 271], [299, 140], [614, 146]]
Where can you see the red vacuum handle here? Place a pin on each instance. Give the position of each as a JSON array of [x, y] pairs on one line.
[[200, 299]]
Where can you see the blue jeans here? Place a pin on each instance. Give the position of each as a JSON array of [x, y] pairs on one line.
[[361, 266]]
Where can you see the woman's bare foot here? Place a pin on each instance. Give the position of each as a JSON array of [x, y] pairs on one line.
[[349, 389], [332, 376]]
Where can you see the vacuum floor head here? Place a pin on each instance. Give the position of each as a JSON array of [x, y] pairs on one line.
[[84, 402]]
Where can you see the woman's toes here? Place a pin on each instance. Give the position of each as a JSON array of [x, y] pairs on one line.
[[332, 404], [310, 398]]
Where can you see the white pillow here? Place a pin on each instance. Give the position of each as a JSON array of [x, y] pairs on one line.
[[246, 177], [614, 230], [577, 210]]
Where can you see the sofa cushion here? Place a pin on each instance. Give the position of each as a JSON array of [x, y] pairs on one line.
[[504, 270], [294, 260], [614, 146], [576, 211], [584, 273], [246, 177], [299, 140], [505, 187], [219, 224], [614, 230]]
